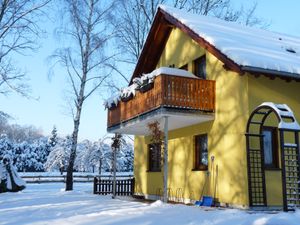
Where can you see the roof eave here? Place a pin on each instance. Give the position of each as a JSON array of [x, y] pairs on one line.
[[160, 29], [271, 73]]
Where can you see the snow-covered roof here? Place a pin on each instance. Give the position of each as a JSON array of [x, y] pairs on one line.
[[248, 47]]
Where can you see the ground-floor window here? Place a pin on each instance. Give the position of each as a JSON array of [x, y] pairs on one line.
[[270, 147], [154, 157], [201, 152]]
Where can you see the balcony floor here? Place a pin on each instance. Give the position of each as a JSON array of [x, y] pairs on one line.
[[177, 118]]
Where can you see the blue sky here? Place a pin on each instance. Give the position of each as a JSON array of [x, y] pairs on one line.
[[51, 108]]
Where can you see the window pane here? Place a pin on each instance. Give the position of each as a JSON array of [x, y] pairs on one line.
[[154, 157], [204, 153], [268, 148], [200, 67], [201, 152]]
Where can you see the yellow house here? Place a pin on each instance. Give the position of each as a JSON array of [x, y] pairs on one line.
[[227, 99]]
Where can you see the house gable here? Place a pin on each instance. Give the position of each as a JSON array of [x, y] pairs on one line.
[[239, 48], [159, 33], [180, 50]]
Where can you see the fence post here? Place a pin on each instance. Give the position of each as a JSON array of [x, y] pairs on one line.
[[95, 185], [132, 185]]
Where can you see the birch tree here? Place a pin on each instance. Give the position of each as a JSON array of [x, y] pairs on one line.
[[83, 57], [19, 32]]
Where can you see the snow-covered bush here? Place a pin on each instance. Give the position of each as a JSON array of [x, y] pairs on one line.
[[26, 156], [9, 178]]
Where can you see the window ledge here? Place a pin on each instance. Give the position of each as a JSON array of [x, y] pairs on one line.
[[196, 169], [272, 169]]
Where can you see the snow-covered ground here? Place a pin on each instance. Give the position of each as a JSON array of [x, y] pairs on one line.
[[50, 204]]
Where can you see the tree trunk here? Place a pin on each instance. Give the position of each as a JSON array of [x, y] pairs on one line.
[[69, 181], [100, 166]]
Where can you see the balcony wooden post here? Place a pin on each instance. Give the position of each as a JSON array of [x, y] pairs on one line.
[[165, 194]]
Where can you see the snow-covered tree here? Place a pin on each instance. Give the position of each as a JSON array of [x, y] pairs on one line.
[[53, 138], [82, 160], [59, 155], [42, 148], [98, 156], [128, 157], [95, 156]]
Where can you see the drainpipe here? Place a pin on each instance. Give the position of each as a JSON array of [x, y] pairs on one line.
[[165, 197]]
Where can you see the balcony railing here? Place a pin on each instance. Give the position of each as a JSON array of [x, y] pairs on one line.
[[169, 91]]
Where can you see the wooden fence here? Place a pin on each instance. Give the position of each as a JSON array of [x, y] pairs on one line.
[[58, 178], [124, 186]]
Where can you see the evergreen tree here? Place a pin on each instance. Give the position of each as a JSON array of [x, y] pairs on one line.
[[53, 139]]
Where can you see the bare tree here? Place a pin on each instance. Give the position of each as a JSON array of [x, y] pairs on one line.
[[133, 24], [84, 57], [19, 32], [134, 19], [4, 117]]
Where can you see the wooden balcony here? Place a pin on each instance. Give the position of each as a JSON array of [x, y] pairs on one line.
[[173, 92]]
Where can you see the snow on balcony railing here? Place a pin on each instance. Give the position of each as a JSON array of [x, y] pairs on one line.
[[145, 79]]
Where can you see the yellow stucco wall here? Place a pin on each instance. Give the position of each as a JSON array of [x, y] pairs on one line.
[[226, 140], [180, 50], [236, 96]]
